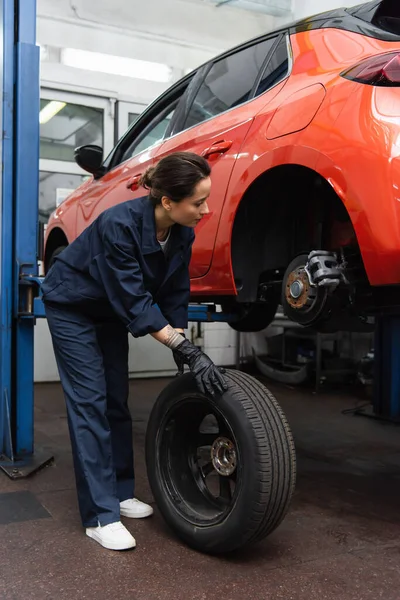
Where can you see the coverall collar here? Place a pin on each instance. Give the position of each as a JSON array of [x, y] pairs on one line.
[[149, 236]]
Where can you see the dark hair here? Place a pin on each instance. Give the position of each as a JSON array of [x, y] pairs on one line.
[[175, 176]]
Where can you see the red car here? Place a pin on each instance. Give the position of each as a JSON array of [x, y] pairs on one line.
[[302, 129]]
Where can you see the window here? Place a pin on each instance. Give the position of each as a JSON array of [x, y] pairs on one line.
[[152, 134], [229, 82], [64, 126], [132, 117], [53, 189], [276, 69]]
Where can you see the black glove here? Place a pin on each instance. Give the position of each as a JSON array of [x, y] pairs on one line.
[[208, 377], [178, 360]]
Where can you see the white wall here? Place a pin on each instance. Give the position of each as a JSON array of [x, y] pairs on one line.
[[306, 8], [147, 357]]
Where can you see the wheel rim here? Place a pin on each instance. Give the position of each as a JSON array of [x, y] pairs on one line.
[[198, 461]]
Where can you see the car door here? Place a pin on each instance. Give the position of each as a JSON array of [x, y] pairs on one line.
[[215, 125], [133, 155]]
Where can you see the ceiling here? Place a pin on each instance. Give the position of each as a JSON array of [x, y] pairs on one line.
[[276, 8]]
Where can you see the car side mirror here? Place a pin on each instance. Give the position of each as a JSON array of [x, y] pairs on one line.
[[90, 159]]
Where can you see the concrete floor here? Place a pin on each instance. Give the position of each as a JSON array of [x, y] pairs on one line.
[[340, 540]]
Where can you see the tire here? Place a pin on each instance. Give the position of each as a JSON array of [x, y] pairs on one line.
[[56, 252], [251, 317], [244, 435]]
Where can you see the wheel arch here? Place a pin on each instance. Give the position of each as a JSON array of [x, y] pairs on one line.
[[55, 238], [265, 241]]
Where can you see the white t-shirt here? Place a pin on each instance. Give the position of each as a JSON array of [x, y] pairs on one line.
[[165, 242]]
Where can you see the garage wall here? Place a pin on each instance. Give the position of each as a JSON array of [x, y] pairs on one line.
[[306, 8], [220, 342]]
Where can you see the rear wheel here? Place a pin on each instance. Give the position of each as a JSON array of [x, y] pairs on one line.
[[222, 471]]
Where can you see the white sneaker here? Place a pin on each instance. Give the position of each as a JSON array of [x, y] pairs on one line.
[[135, 509], [114, 536]]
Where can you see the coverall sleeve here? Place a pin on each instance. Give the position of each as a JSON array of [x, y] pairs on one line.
[[174, 305], [122, 279]]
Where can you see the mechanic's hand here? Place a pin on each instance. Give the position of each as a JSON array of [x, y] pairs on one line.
[[208, 377], [180, 363]]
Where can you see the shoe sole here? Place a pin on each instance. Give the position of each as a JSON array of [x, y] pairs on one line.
[[109, 546], [126, 513]]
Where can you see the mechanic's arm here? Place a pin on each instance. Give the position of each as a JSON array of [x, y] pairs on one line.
[[208, 377]]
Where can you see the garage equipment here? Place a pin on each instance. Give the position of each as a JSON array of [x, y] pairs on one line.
[[20, 303], [386, 396]]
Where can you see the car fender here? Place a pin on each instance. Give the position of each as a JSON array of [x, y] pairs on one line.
[[241, 182], [299, 155]]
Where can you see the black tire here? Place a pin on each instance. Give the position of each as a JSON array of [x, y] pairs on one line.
[[264, 478], [251, 317], [56, 252]]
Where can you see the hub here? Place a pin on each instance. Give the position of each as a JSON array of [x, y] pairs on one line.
[[303, 300], [223, 456], [298, 291]]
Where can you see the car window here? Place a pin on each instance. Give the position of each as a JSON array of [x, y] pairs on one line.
[[276, 69], [229, 82], [153, 133]]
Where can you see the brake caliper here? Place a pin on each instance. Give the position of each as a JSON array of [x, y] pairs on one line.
[[324, 270]]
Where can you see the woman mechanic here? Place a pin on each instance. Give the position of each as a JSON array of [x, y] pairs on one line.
[[127, 272]]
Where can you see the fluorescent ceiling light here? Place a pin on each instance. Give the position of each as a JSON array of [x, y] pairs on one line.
[[50, 110], [116, 65]]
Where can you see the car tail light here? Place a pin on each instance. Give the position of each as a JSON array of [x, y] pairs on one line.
[[382, 70]]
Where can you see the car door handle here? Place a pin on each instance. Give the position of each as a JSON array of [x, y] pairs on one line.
[[133, 182], [217, 148]]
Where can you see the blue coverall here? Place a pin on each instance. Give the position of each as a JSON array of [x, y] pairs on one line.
[[112, 279]]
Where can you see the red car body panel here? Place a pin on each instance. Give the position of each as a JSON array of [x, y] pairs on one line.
[[346, 132]]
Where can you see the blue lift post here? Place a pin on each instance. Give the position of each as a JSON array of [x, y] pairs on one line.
[[19, 235], [386, 397]]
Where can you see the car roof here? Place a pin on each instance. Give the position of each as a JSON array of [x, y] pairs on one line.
[[339, 18], [348, 19]]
